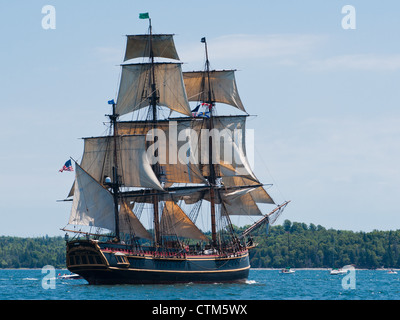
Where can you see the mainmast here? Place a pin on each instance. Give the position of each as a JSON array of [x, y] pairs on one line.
[[212, 176]]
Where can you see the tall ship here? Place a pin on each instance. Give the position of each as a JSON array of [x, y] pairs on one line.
[[145, 191]]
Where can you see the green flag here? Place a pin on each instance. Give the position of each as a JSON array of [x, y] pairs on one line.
[[144, 15]]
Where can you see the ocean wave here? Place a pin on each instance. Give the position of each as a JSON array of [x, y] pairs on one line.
[[251, 282]]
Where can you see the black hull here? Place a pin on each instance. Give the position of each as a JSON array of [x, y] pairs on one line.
[[118, 276], [99, 264]]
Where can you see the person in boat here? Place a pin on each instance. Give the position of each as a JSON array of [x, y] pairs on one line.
[[250, 243]]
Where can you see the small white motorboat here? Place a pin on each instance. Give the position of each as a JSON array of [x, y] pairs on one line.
[[287, 270], [336, 271], [71, 276]]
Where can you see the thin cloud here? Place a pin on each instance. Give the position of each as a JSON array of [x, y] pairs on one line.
[[346, 149], [263, 46], [283, 47], [287, 49], [108, 54], [368, 62]]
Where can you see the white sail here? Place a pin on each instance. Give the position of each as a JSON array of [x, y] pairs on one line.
[[186, 149], [258, 194], [229, 148], [174, 222], [222, 83], [172, 161], [240, 202], [135, 166], [138, 46], [237, 201], [244, 201], [133, 163], [129, 223], [135, 91], [93, 205]]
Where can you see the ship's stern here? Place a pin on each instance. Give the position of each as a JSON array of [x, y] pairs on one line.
[[85, 258]]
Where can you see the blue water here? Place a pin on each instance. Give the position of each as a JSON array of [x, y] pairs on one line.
[[261, 285]]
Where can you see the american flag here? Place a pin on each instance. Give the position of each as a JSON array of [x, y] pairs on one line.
[[67, 167], [205, 114]]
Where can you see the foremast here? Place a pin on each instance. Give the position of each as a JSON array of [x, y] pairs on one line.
[[153, 107], [212, 174], [115, 182]]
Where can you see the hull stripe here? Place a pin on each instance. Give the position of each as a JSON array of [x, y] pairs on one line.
[[183, 271]]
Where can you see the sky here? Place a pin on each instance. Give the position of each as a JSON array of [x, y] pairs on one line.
[[324, 99]]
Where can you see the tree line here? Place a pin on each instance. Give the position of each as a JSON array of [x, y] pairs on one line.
[[291, 244], [299, 245], [16, 252]]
